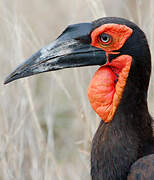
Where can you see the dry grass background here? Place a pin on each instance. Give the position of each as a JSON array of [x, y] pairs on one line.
[[46, 122]]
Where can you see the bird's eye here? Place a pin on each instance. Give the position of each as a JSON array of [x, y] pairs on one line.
[[105, 39]]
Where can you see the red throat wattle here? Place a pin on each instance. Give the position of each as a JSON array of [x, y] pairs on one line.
[[107, 85]]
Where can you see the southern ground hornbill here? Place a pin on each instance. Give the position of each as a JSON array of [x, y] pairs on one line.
[[123, 146]]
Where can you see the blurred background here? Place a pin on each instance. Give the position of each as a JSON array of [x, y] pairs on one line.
[[46, 122]]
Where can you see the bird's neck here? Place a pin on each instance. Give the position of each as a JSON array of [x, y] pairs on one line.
[[119, 143]]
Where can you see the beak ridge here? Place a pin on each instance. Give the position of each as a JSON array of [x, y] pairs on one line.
[[64, 52]]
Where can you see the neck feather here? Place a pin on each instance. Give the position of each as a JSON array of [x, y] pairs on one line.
[[119, 143]]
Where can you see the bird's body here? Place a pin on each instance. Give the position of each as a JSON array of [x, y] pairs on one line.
[[117, 145], [142, 169], [123, 146]]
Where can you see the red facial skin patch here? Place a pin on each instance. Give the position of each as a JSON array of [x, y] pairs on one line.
[[119, 34], [107, 85]]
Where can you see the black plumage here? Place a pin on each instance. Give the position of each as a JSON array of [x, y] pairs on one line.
[[124, 147]]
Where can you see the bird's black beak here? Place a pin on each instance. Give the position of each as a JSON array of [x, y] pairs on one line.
[[71, 49]]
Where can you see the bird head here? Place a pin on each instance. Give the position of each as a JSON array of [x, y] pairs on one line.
[[116, 44]]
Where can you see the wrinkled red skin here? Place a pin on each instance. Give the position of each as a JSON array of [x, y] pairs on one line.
[[105, 89]]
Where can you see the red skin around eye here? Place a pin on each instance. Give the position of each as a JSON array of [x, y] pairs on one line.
[[119, 34]]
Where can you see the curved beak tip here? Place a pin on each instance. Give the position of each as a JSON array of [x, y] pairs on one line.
[[10, 78], [6, 81]]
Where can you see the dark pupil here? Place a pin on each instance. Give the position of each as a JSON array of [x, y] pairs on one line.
[[105, 38]]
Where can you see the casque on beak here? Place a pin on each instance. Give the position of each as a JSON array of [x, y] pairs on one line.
[[71, 49]]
